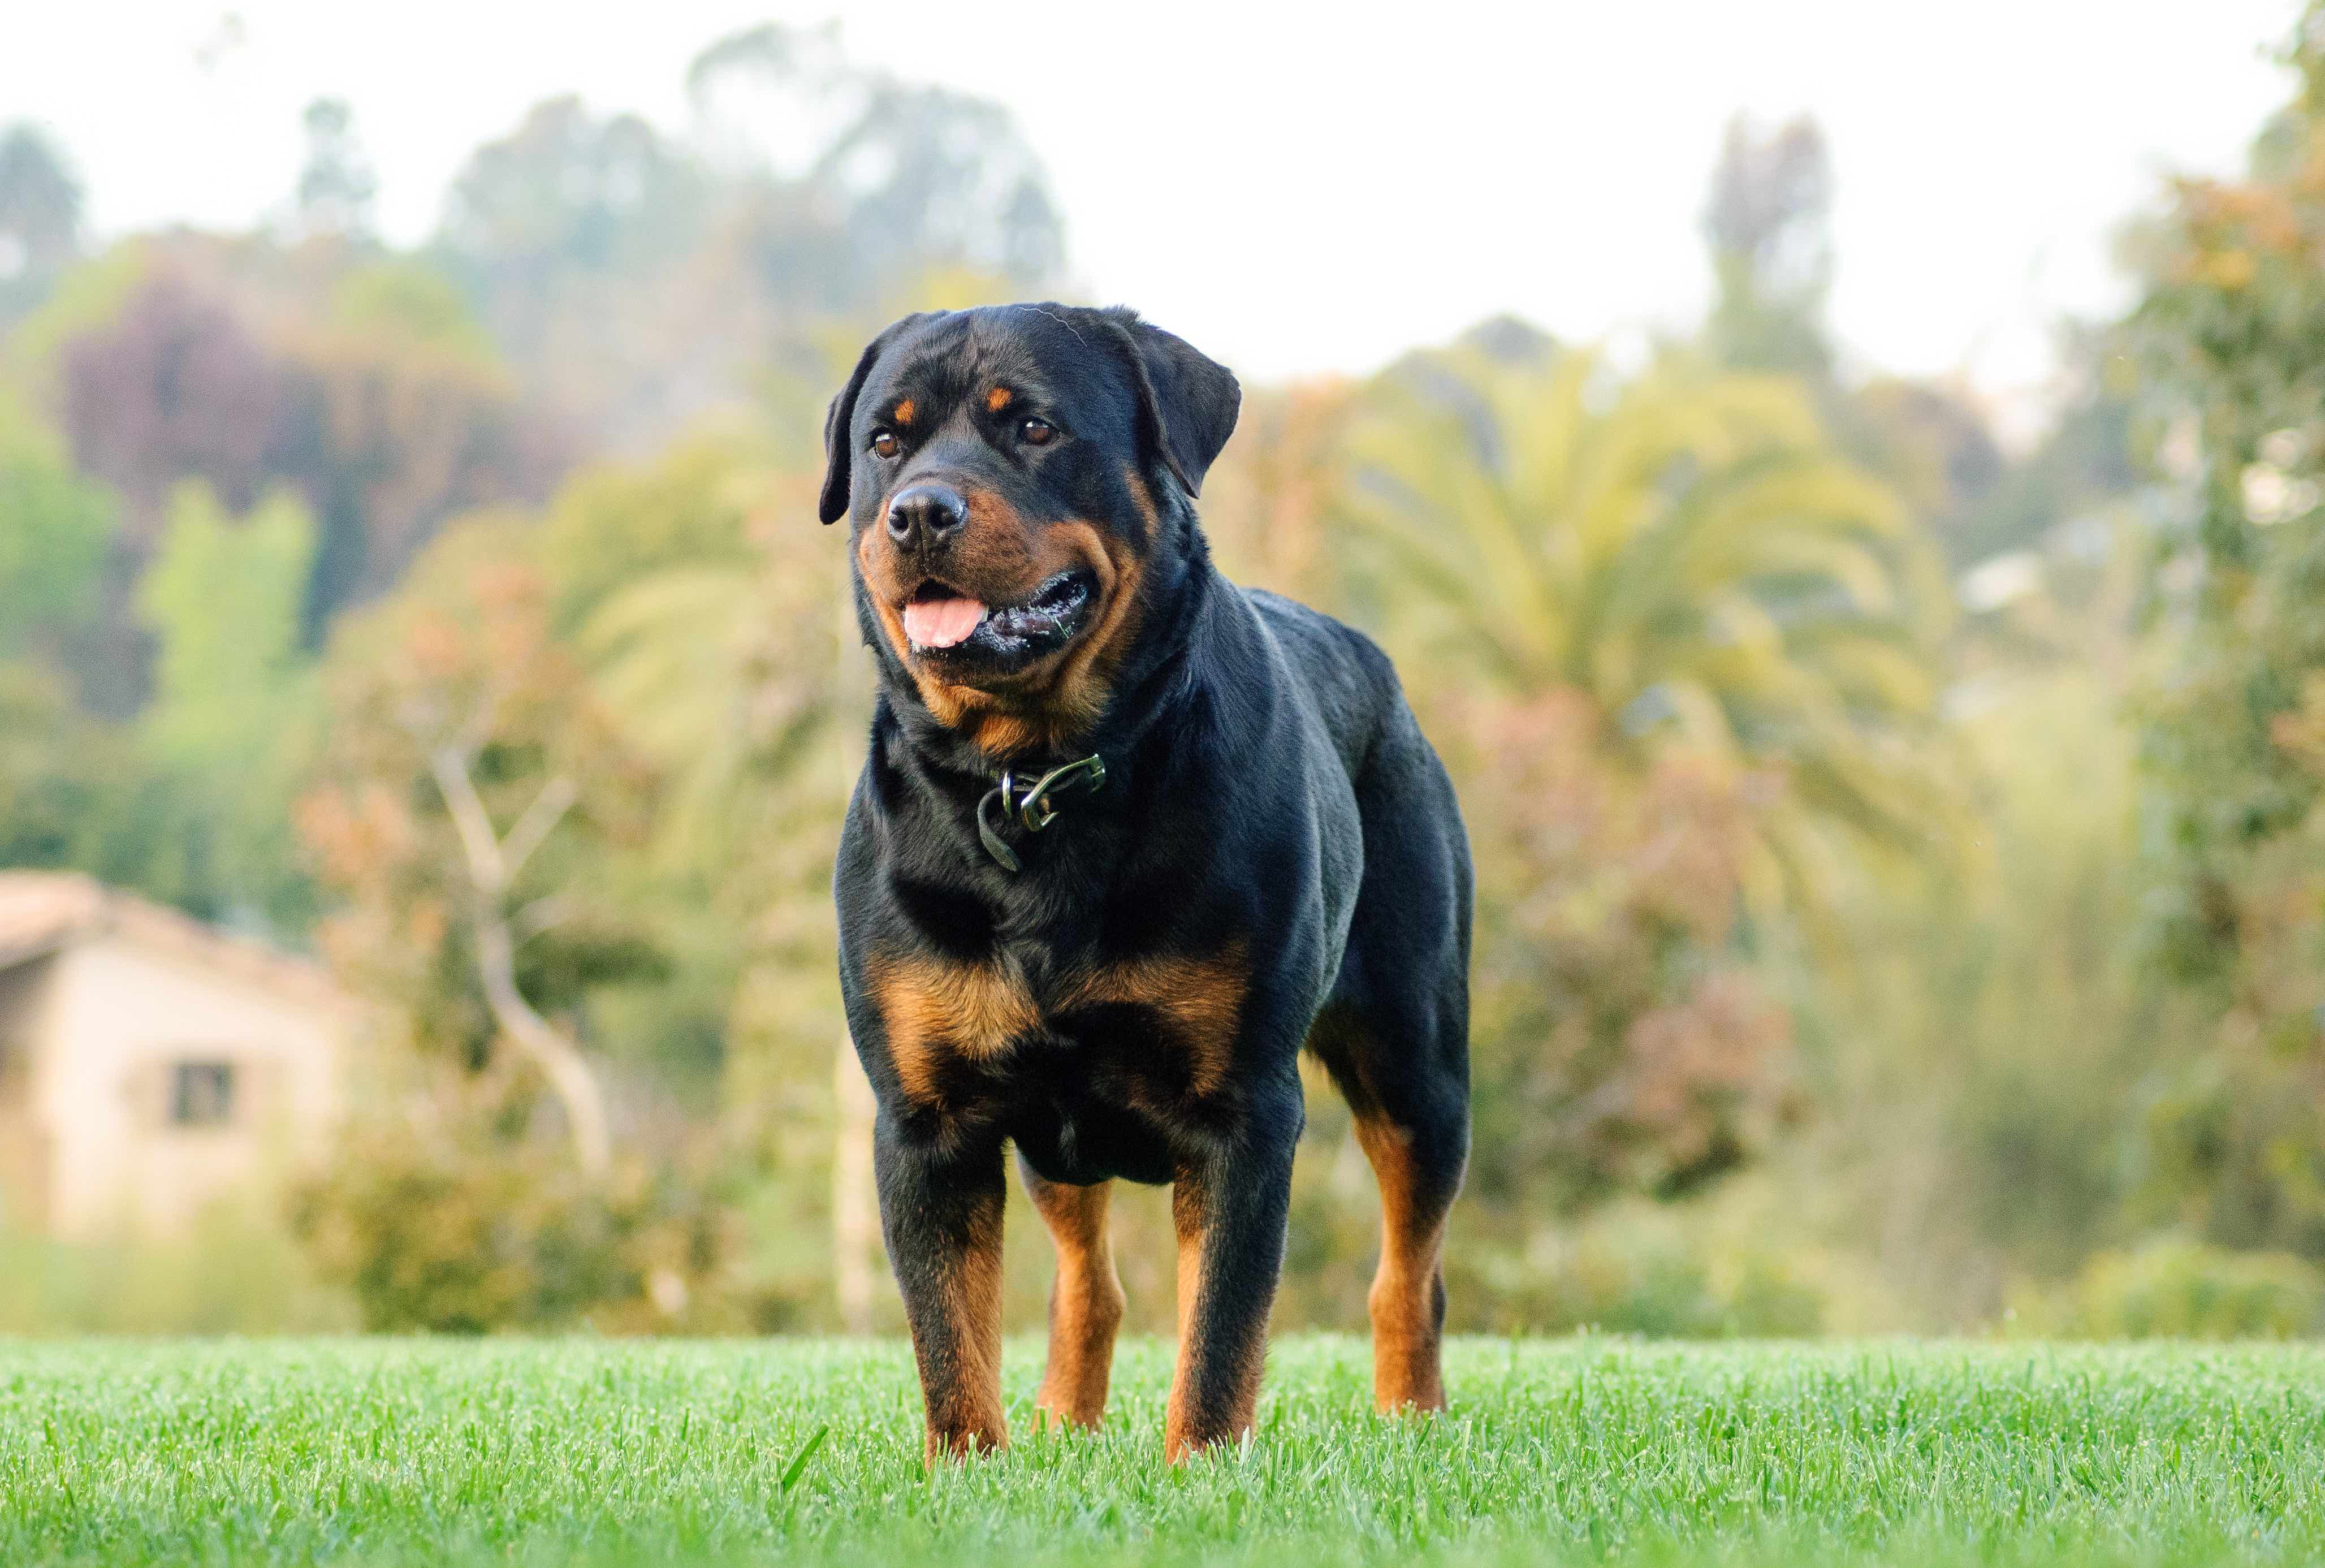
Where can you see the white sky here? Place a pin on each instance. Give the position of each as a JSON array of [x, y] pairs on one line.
[[1297, 188]]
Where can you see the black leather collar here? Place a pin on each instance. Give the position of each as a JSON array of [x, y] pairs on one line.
[[1030, 806]]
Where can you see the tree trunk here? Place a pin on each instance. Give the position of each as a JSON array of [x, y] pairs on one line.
[[561, 1062], [493, 863]]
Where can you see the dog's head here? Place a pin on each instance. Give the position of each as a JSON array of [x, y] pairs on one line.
[[1008, 474]]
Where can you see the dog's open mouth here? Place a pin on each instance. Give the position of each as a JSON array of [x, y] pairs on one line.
[[943, 621]]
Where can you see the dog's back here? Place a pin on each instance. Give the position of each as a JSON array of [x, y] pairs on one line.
[[1341, 672]]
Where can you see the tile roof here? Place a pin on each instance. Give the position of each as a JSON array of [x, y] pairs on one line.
[[45, 912]]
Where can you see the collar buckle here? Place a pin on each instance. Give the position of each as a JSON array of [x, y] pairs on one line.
[[1033, 806]]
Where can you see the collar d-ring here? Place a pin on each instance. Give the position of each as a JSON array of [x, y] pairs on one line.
[[1033, 806]]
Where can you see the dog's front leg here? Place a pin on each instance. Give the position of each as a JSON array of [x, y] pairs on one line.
[[941, 1212], [1229, 1207]]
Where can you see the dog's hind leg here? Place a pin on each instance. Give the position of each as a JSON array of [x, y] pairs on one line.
[[1420, 1172], [1086, 1302], [1413, 1127], [1395, 1037]]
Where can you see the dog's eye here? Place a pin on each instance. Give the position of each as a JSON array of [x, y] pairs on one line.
[[884, 443], [1037, 433]]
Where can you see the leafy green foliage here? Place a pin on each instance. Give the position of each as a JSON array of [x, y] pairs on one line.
[[77, 794], [222, 598], [419, 306], [1685, 550], [233, 702], [2232, 334], [2173, 1288], [55, 528], [614, 525], [464, 655], [1617, 1045], [438, 1220], [195, 1282]]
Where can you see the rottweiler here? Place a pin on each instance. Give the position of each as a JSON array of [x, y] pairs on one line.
[[1127, 838]]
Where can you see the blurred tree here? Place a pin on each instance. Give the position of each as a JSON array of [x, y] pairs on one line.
[[1933, 444], [224, 596], [2086, 463], [1682, 658], [439, 1222], [398, 416], [924, 177], [55, 529], [40, 218], [335, 183], [2231, 334], [616, 525], [388, 414], [232, 709], [414, 303], [575, 237], [1685, 550], [740, 675], [494, 832], [173, 386], [53, 773], [1621, 1041], [170, 386], [471, 794], [636, 280], [1982, 1054], [1766, 220], [88, 296], [76, 795], [1264, 501], [661, 576], [566, 192]]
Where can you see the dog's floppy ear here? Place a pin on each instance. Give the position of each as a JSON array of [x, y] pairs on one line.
[[838, 451], [1187, 400]]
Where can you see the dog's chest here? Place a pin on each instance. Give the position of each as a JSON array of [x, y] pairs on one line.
[[1146, 1030]]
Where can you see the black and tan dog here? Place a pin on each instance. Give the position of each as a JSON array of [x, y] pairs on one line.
[[1128, 837]]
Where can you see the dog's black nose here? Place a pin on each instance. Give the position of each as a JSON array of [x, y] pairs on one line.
[[926, 513]]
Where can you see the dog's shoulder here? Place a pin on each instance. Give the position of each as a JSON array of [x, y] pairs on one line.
[[1342, 673]]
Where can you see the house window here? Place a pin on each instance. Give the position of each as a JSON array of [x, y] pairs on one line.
[[201, 1093]]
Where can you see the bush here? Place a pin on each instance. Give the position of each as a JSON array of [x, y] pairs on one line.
[[2177, 1288], [231, 1272], [447, 1216], [1640, 1269]]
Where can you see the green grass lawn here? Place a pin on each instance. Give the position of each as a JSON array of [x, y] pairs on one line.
[[540, 1451]]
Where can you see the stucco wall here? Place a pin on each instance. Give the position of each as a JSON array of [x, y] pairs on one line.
[[24, 992], [119, 1014]]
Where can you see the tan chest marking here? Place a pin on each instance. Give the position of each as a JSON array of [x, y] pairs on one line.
[[935, 1008], [1201, 997]]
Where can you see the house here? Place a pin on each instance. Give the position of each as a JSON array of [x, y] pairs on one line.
[[150, 1064]]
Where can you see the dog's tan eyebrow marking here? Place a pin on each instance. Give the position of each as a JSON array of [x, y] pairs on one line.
[[904, 412], [998, 399]]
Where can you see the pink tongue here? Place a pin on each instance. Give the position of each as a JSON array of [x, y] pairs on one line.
[[939, 623]]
